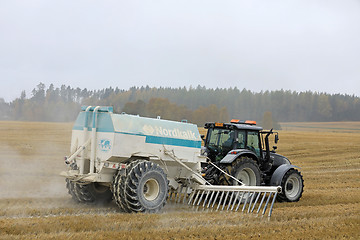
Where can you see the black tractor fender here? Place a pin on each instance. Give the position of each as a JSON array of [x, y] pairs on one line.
[[279, 174], [229, 158]]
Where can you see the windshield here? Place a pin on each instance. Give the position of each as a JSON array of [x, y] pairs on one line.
[[220, 137]]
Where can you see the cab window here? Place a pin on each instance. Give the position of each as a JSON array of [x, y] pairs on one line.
[[240, 140], [253, 142], [220, 137]]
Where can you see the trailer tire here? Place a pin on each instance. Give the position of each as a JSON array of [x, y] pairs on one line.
[[292, 185], [119, 187], [146, 188], [93, 193], [71, 189], [115, 191]]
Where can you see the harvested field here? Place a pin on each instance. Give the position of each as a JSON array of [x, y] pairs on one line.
[[34, 203]]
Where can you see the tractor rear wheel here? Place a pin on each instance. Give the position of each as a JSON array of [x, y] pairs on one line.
[[146, 188], [292, 186], [247, 171]]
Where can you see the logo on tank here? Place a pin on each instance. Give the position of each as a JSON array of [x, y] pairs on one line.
[[169, 132], [105, 145]]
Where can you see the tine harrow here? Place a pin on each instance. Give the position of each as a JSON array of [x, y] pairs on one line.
[[234, 198]]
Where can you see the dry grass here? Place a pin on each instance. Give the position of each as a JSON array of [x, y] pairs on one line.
[[34, 203]]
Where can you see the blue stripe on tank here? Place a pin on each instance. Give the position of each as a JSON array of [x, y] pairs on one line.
[[173, 141], [167, 140]]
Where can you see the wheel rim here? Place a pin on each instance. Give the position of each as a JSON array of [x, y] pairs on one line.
[[292, 186], [151, 189], [247, 176]]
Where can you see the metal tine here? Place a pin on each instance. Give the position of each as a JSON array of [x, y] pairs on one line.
[[202, 194], [256, 200], [237, 195], [211, 197], [231, 197], [170, 196], [262, 200], [179, 193], [175, 195], [251, 201], [247, 197], [207, 196], [197, 195], [272, 203], [242, 195], [191, 196], [266, 204], [226, 197], [222, 195], [217, 194], [185, 194]]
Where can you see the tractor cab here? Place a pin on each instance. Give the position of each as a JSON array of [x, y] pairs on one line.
[[238, 137]]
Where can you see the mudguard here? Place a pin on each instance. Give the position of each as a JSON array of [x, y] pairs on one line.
[[229, 158], [279, 174]]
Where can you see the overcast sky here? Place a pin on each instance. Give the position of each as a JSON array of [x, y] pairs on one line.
[[258, 45]]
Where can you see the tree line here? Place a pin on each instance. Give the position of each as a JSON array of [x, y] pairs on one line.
[[197, 105]]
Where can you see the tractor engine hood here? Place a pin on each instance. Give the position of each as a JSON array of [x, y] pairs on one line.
[[278, 160]]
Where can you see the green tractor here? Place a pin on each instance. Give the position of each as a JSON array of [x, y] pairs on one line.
[[240, 150]]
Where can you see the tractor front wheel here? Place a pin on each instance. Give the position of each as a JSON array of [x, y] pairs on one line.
[[292, 186]]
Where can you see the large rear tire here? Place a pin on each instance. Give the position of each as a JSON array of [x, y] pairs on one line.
[[146, 188], [292, 185], [247, 171]]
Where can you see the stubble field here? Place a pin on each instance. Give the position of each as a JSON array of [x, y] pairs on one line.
[[34, 203]]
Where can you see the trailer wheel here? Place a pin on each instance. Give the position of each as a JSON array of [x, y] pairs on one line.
[[146, 188], [118, 187], [71, 189], [116, 192], [92, 193], [292, 186]]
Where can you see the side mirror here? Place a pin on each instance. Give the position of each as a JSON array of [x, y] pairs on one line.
[[202, 137], [276, 138]]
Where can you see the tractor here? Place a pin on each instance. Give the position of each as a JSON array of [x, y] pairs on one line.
[[241, 149]]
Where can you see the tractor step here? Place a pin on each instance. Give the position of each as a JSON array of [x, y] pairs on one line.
[[230, 198]]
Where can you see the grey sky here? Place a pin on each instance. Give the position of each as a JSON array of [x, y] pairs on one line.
[[258, 45]]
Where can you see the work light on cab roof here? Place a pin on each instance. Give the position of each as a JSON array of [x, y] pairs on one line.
[[250, 122]]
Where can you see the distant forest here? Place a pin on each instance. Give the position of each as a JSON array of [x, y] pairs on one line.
[[197, 105]]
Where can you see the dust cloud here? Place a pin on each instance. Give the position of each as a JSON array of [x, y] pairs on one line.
[[24, 173]]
